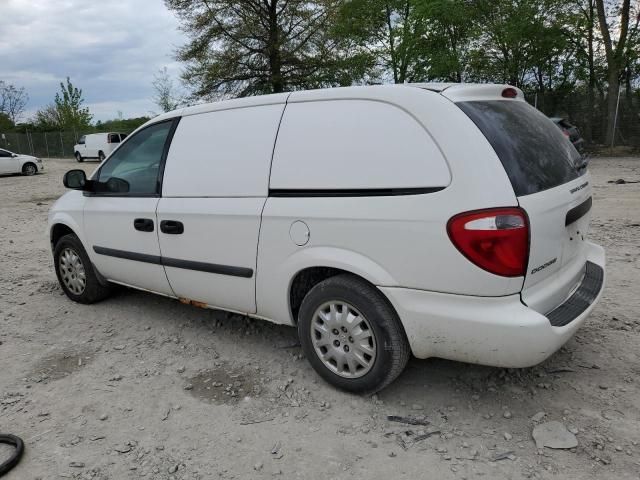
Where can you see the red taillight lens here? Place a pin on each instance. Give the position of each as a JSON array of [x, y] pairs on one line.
[[496, 239], [509, 92]]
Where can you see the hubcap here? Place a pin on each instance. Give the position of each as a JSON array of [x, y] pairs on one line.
[[343, 339], [72, 271], [30, 169]]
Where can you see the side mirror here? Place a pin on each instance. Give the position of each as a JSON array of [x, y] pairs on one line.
[[75, 179], [14, 155]]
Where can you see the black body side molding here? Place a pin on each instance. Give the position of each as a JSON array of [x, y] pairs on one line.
[[352, 192], [176, 263]]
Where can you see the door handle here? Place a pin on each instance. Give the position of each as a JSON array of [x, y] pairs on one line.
[[171, 227], [143, 224]]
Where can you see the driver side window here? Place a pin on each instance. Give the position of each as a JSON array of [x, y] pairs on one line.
[[137, 162]]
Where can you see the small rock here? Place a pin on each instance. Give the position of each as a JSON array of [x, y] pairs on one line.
[[180, 369], [258, 466], [618, 448], [507, 436], [553, 435], [76, 465], [119, 347], [538, 416], [507, 414], [103, 417], [116, 378], [173, 469], [188, 386]]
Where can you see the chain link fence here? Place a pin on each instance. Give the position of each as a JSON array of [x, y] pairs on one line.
[[40, 144], [590, 115]]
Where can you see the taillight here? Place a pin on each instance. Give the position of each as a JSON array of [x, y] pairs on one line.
[[496, 239]]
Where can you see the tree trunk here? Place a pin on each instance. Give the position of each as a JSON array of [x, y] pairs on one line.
[[592, 75], [614, 56], [275, 57], [612, 99]]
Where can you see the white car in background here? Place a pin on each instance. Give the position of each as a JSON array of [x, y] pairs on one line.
[[97, 145], [439, 220], [17, 163]]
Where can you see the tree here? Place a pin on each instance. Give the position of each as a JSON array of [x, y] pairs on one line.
[[166, 97], [258, 46], [47, 118], [68, 105], [448, 37], [5, 122], [519, 40], [390, 32], [615, 53], [12, 101]]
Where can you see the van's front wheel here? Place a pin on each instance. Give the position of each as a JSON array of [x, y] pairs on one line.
[[78, 157], [351, 335], [101, 156], [75, 272]]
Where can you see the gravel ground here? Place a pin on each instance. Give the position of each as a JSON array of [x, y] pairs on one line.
[[143, 386]]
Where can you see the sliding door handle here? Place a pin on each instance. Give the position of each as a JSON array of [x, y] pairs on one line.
[[143, 224], [171, 227]]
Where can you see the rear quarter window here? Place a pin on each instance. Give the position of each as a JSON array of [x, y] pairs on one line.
[[354, 145], [533, 151]]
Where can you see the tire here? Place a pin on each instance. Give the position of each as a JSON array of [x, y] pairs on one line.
[[101, 156], [79, 158], [71, 278], [29, 169], [366, 307]]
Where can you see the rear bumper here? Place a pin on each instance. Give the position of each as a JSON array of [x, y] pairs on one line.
[[496, 331]]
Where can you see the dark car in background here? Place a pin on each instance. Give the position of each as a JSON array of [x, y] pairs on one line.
[[570, 131]]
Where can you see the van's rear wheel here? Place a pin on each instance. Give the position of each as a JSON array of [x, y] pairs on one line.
[[75, 271], [351, 335], [78, 157]]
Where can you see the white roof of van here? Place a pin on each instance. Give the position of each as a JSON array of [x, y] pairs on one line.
[[453, 91]]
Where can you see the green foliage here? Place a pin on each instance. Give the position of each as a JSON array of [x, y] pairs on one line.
[[124, 125], [5, 122], [68, 105]]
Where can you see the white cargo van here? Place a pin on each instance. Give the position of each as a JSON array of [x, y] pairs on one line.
[[97, 145], [441, 220]]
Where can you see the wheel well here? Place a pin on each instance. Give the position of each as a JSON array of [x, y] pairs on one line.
[[58, 231], [304, 281], [28, 163]]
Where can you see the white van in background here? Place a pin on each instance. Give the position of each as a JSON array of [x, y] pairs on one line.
[[97, 145]]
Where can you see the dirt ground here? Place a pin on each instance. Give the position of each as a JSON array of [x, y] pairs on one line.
[[143, 386]]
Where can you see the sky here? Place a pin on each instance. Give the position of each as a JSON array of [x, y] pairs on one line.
[[111, 49]]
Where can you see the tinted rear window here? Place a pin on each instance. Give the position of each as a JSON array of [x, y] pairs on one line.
[[532, 149]]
